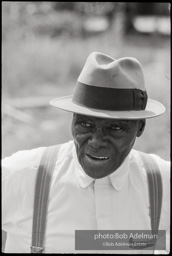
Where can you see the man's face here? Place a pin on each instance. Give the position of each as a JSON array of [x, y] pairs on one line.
[[103, 144]]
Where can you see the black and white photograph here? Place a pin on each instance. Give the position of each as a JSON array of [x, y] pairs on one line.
[[85, 159]]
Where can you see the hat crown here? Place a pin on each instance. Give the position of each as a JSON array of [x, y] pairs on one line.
[[101, 70], [110, 88]]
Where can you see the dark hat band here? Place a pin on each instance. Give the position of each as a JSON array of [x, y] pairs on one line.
[[109, 98]]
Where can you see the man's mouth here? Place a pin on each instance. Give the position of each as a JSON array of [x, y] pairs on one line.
[[98, 157]]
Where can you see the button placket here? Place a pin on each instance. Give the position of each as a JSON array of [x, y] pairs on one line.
[[102, 204]]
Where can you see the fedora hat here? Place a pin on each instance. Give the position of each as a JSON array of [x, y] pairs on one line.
[[110, 88]]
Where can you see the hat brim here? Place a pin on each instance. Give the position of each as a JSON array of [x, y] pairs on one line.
[[153, 109]]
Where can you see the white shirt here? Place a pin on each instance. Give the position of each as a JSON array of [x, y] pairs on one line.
[[77, 202]]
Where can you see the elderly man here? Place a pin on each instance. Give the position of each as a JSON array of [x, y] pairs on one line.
[[97, 181]]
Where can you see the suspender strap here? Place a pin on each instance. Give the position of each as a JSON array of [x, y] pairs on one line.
[[154, 188], [155, 197], [42, 189]]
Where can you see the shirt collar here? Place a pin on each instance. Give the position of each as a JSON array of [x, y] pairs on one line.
[[83, 179], [117, 178]]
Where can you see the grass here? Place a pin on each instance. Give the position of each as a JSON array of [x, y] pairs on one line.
[[41, 66]]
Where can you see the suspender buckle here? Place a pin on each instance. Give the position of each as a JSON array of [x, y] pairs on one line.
[[36, 249]]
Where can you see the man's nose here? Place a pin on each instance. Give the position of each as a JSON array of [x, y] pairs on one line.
[[98, 139]]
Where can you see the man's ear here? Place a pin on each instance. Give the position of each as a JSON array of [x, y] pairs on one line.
[[141, 127]]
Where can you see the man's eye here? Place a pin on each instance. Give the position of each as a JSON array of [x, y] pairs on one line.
[[85, 124], [116, 128]]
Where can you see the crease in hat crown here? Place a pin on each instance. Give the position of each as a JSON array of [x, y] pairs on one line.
[[110, 88], [101, 70]]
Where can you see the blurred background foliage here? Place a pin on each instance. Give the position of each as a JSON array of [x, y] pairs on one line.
[[44, 47]]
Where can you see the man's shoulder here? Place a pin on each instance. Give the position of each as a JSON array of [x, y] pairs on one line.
[[23, 159], [163, 165], [27, 159], [164, 168]]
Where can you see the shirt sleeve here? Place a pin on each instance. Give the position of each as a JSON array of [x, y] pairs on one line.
[[18, 180]]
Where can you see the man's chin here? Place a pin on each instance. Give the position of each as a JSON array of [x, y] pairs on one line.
[[96, 175], [97, 168]]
